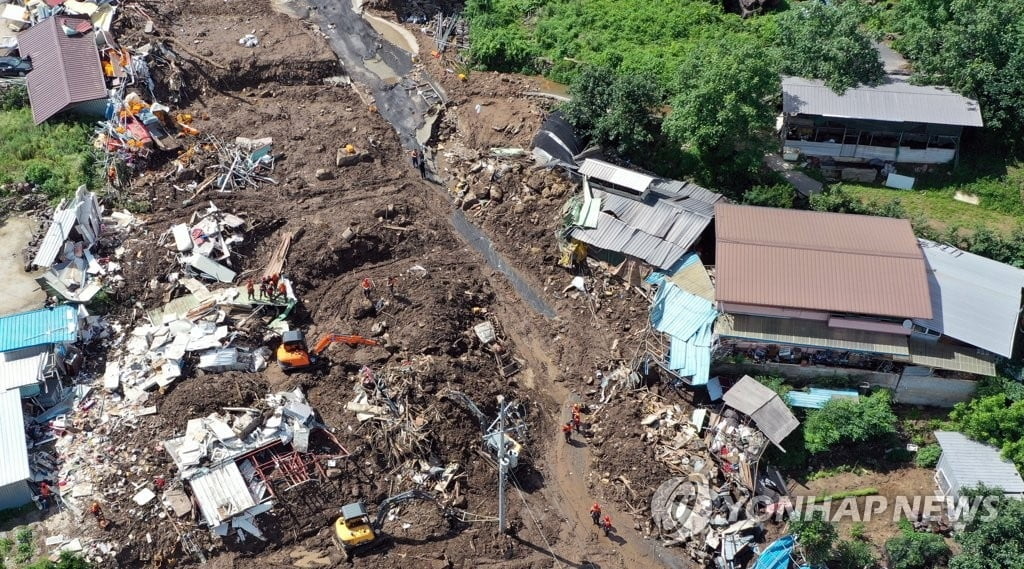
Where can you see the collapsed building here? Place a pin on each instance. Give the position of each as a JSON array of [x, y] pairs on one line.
[[237, 463]]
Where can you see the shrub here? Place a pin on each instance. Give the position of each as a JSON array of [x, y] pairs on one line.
[[916, 550], [853, 555], [777, 195], [815, 535], [928, 456], [848, 421]]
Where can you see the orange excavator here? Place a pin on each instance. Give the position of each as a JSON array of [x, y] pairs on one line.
[[292, 354]]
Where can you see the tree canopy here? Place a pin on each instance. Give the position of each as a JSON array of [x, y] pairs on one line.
[[996, 542], [974, 46], [613, 110], [916, 550], [815, 535], [722, 115], [827, 42], [849, 421]]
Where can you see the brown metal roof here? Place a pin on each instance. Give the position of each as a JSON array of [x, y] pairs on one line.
[[821, 261], [65, 69]]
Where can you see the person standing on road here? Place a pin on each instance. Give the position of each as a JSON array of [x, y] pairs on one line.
[[250, 288], [576, 421], [567, 431], [367, 285], [606, 525], [595, 513], [44, 495]]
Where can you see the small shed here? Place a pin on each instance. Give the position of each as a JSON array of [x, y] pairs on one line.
[[67, 73], [764, 406], [968, 464], [15, 473]]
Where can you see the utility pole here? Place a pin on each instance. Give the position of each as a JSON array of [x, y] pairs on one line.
[[502, 465]]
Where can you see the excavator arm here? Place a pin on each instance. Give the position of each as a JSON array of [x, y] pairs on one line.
[[352, 341], [386, 505]]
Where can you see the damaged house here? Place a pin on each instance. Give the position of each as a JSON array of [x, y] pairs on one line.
[[237, 464], [625, 215], [66, 71], [66, 249], [35, 351], [893, 122], [850, 291]]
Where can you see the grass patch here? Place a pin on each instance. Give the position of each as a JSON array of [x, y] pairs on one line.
[[842, 495], [56, 155], [836, 471], [938, 207]]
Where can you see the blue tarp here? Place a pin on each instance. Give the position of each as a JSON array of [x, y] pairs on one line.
[[688, 320], [777, 555], [816, 397]]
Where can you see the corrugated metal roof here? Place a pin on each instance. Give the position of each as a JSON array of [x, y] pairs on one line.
[[820, 261], [816, 397], [82, 210], [688, 320], [13, 453], [66, 69], [974, 299], [624, 177], [809, 333], [764, 406], [693, 278], [658, 229], [955, 358], [972, 464], [56, 325], [21, 368], [222, 493], [896, 100]]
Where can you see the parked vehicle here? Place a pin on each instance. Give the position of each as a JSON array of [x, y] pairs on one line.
[[11, 66]]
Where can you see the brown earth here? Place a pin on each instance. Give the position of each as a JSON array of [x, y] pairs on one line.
[[400, 222]]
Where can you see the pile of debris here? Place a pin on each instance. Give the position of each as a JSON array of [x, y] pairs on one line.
[[226, 166], [235, 464], [203, 243], [67, 249]]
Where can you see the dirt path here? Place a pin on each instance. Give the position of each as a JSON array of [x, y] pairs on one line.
[[21, 291]]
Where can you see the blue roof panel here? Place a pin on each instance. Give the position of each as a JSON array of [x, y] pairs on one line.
[[56, 325]]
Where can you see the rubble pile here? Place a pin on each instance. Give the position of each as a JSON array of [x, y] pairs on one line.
[[256, 453], [203, 244]]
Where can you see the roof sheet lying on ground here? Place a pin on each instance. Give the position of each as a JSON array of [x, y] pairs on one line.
[[222, 493], [56, 325], [688, 320], [658, 229], [82, 211], [816, 397], [764, 406], [66, 67], [21, 368], [974, 299], [895, 100], [556, 141], [819, 261], [972, 464], [13, 453], [809, 333], [950, 357]]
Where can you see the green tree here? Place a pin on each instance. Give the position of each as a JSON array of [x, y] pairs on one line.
[[916, 550], [827, 42], [993, 541], [776, 195], [815, 535], [849, 421], [855, 554], [723, 114], [974, 46], [613, 110]]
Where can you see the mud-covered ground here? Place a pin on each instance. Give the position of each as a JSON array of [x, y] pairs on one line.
[[401, 228]]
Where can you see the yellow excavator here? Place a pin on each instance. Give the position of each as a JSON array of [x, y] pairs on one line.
[[293, 355], [354, 531]]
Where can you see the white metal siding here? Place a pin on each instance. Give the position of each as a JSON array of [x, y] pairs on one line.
[[222, 493], [13, 454]]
